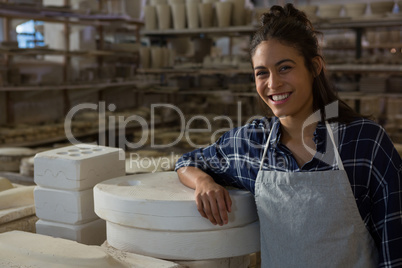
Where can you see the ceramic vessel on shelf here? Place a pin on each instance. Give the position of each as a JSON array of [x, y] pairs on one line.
[[354, 10], [329, 10], [381, 8]]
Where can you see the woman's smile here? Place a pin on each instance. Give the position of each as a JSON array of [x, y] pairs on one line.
[[279, 98]]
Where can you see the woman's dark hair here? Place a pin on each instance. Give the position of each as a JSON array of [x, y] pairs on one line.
[[291, 27]]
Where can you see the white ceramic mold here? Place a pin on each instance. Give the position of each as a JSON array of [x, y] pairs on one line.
[[200, 245], [159, 201], [24, 249], [73, 207], [78, 167], [90, 233]]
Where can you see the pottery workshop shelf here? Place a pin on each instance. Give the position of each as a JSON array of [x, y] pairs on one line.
[[222, 31], [47, 141], [343, 23], [61, 14], [379, 46], [68, 25], [28, 136], [92, 53], [360, 68], [250, 29], [93, 85], [196, 71]]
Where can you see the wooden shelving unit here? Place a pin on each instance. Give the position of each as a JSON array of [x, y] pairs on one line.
[[97, 86], [356, 25], [67, 17]]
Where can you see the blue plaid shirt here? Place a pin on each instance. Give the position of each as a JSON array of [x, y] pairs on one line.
[[373, 166]]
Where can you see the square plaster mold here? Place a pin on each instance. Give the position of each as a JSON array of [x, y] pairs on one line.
[[72, 207], [90, 233], [78, 167]]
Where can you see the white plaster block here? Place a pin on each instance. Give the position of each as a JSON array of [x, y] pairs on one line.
[[198, 245], [17, 197], [73, 207], [78, 167], [24, 249], [159, 201], [139, 261], [90, 233]]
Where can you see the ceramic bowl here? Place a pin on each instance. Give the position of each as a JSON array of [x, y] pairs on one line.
[[173, 2], [310, 10], [157, 2], [354, 10], [380, 8], [329, 10]]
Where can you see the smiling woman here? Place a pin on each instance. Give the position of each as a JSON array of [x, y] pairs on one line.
[[327, 181], [284, 84]]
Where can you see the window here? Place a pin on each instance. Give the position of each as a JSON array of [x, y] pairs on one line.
[[29, 34]]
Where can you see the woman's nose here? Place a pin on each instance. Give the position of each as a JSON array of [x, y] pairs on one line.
[[274, 81]]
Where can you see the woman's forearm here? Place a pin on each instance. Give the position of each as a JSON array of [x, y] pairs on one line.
[[192, 176], [213, 201]]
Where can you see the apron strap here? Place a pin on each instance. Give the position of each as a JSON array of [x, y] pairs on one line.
[[266, 147], [337, 156], [331, 136]]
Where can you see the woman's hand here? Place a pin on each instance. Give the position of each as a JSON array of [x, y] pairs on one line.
[[213, 201]]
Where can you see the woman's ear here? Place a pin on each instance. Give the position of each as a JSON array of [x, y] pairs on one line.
[[318, 65]]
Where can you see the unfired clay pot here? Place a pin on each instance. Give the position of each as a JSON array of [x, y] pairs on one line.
[[238, 12], [156, 57], [179, 16], [329, 10], [192, 14], [150, 18], [206, 14], [355, 10], [145, 57], [223, 13], [164, 16]]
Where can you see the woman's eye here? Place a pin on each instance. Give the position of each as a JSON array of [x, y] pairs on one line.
[[284, 68], [259, 73]]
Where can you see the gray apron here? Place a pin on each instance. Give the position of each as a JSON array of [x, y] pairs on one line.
[[310, 219]]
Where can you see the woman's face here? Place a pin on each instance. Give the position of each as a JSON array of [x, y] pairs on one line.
[[282, 80]]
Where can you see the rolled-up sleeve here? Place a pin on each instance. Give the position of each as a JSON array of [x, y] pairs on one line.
[[233, 160], [212, 160]]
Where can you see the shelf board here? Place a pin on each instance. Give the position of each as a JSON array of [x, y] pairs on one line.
[[360, 94], [373, 46], [165, 71], [92, 53], [343, 23], [355, 68], [70, 87], [60, 14], [220, 91], [384, 46], [330, 67], [365, 68], [233, 30], [340, 23], [199, 71], [47, 141], [157, 122]]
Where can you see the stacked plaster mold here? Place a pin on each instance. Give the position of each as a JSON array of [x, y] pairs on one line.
[[64, 195], [155, 215]]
